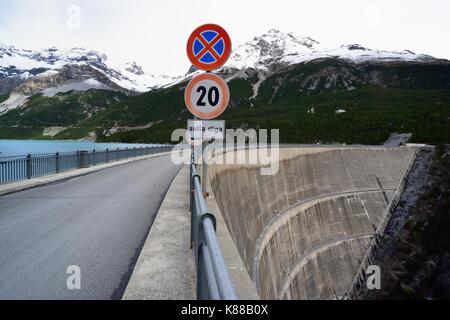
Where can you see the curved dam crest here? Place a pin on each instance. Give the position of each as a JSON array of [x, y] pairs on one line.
[[303, 232]]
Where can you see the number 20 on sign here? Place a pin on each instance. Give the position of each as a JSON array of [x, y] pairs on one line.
[[207, 96]]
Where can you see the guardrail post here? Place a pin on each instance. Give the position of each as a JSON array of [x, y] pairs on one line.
[[205, 178], [78, 159], [29, 166], [202, 285], [126, 153], [107, 155], [117, 154], [192, 208], [84, 159], [205, 169], [93, 158], [57, 162]]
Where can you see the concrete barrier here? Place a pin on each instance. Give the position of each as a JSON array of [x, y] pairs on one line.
[[304, 232]]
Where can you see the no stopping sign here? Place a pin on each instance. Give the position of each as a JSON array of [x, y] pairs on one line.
[[207, 96], [209, 47]]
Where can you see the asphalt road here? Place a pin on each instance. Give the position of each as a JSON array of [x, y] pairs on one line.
[[98, 222]]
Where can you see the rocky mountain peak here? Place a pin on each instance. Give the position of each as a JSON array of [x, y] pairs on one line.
[[134, 68], [354, 47], [268, 49]]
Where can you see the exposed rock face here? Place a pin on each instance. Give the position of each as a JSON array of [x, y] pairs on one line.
[[38, 84], [134, 68], [67, 74]]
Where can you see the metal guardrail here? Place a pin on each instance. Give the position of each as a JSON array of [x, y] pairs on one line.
[[17, 168], [213, 280]]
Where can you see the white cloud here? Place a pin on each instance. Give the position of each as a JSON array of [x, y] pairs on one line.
[[154, 33]]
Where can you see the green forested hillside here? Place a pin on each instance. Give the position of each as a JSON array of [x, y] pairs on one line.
[[301, 101], [3, 97], [371, 115], [64, 109]]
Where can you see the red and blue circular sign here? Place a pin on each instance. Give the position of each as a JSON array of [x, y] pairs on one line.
[[209, 47]]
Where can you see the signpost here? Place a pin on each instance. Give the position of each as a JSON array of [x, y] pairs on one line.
[[207, 95]]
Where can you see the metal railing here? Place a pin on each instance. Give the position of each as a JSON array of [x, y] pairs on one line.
[[17, 168], [213, 279]]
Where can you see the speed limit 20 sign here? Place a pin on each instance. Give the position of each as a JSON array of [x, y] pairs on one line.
[[207, 96]]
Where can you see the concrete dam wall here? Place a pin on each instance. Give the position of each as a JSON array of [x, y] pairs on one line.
[[303, 232]]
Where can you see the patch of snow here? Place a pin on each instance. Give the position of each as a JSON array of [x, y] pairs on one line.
[[26, 75], [47, 73], [276, 88], [261, 77], [133, 77], [52, 131], [76, 86], [14, 101]]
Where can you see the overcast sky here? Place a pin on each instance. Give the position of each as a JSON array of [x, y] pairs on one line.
[[154, 32]]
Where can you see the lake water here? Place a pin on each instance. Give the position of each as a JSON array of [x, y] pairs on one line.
[[23, 147]]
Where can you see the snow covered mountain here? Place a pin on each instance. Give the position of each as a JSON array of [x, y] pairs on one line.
[[275, 52], [27, 63], [276, 47], [24, 73], [263, 53]]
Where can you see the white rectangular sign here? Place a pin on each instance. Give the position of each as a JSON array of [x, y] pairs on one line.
[[206, 129]]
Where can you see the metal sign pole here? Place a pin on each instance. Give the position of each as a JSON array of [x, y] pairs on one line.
[[207, 96], [205, 171]]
